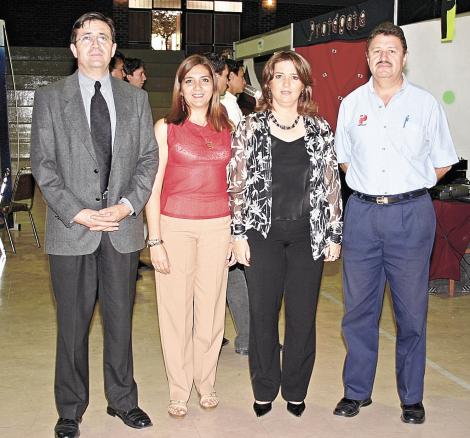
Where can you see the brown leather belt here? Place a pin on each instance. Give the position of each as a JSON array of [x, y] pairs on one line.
[[391, 199]]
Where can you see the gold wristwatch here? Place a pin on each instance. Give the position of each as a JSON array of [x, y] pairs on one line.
[[154, 242]]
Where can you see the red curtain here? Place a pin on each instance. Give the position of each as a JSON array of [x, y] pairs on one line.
[[338, 67], [452, 238]]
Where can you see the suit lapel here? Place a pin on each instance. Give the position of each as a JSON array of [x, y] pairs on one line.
[[121, 102], [75, 113]]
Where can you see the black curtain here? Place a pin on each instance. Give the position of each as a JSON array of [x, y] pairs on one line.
[[413, 11]]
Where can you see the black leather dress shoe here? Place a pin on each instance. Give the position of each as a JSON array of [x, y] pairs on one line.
[[348, 407], [142, 266], [66, 428], [135, 418], [413, 414], [296, 409], [262, 408]]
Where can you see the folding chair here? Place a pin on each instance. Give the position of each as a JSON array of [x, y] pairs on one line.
[[21, 200]]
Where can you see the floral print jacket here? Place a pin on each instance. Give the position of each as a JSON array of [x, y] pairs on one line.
[[250, 180]]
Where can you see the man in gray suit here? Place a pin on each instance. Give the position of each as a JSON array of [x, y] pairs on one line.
[[94, 156]]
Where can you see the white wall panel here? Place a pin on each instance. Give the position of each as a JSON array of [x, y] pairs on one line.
[[444, 69]]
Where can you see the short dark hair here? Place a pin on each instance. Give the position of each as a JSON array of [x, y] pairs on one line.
[[91, 16], [118, 56], [132, 64], [388, 28], [234, 66], [218, 62]]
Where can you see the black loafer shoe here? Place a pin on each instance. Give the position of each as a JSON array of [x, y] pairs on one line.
[[296, 409], [142, 266], [413, 414], [349, 408], [262, 408], [66, 428], [135, 418]]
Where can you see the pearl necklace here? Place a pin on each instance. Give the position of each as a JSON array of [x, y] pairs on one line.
[[284, 127]]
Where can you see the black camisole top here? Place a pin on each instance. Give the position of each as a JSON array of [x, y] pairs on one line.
[[290, 179]]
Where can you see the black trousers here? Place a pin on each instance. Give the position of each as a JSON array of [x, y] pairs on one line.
[[78, 281], [282, 265]]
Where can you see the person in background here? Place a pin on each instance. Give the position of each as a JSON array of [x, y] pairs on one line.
[[236, 84], [221, 71], [237, 292], [95, 169], [189, 233], [246, 103], [286, 208], [116, 66], [134, 70], [135, 76], [393, 142]]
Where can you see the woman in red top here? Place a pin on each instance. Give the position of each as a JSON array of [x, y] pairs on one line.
[[189, 233]]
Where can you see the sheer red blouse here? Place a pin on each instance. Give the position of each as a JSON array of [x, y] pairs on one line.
[[195, 181]]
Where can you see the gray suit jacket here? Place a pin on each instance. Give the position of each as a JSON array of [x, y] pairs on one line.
[[64, 165]]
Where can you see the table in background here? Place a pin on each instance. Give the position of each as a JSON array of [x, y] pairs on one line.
[[451, 241]]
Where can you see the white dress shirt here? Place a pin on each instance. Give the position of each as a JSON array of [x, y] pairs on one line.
[[229, 101], [394, 148]]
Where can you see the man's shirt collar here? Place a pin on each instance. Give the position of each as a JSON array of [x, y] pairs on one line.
[[404, 84], [89, 83]]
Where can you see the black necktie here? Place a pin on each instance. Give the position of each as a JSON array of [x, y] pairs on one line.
[[100, 125]]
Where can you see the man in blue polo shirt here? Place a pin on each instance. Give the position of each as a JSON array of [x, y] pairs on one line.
[[393, 142]]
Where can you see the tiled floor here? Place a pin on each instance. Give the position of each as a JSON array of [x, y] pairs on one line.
[[27, 338]]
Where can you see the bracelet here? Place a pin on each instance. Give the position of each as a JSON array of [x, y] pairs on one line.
[[154, 242], [240, 237]]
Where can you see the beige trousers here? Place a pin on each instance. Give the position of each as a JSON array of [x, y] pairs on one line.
[[191, 301]]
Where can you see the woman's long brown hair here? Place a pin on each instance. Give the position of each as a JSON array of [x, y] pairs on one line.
[[305, 106], [216, 116]]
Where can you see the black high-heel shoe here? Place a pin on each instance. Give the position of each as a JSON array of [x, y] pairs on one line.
[[262, 408], [296, 409]]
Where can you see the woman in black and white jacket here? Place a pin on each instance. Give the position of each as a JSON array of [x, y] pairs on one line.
[[286, 220]]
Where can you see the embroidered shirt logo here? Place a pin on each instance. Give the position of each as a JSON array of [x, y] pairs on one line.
[[362, 120]]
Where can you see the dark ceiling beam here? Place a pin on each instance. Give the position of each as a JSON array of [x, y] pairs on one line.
[[338, 3]]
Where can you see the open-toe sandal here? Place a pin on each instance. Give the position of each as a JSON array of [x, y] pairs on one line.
[[209, 401], [177, 408]]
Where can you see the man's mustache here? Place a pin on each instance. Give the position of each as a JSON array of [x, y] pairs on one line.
[[384, 62]]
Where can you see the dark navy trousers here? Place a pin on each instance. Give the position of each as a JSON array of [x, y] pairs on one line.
[[386, 243]]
